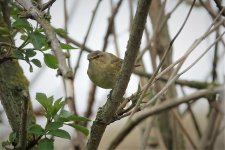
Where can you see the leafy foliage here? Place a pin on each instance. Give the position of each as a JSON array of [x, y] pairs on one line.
[[46, 143], [56, 117], [35, 37], [50, 61]]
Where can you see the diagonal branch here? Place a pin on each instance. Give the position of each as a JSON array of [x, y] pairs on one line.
[[51, 35], [165, 106]]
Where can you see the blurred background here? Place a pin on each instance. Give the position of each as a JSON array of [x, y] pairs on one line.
[[77, 21]]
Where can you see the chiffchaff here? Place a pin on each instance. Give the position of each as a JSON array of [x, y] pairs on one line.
[[103, 68]]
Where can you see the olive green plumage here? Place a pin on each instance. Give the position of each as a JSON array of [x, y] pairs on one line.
[[103, 68]]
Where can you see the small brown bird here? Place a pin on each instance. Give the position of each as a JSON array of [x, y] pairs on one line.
[[103, 68]]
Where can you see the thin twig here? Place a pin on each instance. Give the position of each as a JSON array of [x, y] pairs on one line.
[[161, 62], [219, 5], [73, 41], [110, 26], [175, 77], [90, 101], [115, 39], [186, 133], [86, 37], [189, 83]]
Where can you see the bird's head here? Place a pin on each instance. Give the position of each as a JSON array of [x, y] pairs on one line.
[[99, 56]]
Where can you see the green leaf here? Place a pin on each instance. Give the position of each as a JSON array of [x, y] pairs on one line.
[[66, 46], [80, 128], [12, 137], [53, 125], [14, 11], [30, 53], [22, 24], [51, 61], [18, 54], [36, 62], [38, 40], [57, 106], [60, 30], [5, 143], [46, 144], [42, 99], [50, 101], [60, 133], [23, 37], [36, 129], [66, 116]]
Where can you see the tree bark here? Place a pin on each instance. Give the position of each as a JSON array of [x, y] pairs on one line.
[[13, 83]]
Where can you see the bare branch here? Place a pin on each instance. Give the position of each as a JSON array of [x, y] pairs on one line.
[[165, 106]]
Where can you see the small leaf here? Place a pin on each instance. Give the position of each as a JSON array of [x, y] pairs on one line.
[[66, 116], [37, 39], [57, 106], [53, 125], [60, 133], [5, 143], [22, 24], [80, 128], [18, 54], [23, 37], [51, 61], [45, 144], [60, 30], [42, 99], [30, 53], [36, 129], [12, 137], [66, 46], [50, 101], [36, 62]]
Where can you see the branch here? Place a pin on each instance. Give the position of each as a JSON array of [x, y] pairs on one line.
[[86, 37], [165, 106], [47, 4], [189, 83], [71, 40], [219, 5], [106, 113], [51, 35], [110, 26]]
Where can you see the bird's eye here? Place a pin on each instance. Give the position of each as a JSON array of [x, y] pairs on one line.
[[98, 55]]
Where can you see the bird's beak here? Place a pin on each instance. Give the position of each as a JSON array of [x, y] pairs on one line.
[[89, 58], [92, 57]]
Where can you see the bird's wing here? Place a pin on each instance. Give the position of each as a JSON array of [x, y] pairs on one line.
[[117, 62]]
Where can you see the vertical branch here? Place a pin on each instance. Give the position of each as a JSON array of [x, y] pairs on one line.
[[90, 102], [69, 90], [110, 26], [86, 37], [23, 125], [106, 113], [114, 33]]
